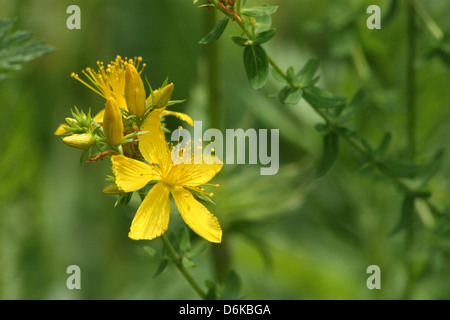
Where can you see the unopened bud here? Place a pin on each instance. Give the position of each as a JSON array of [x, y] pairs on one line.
[[71, 122], [134, 91], [112, 123], [81, 141], [161, 97]]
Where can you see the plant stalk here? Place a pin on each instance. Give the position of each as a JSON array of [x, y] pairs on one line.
[[220, 255], [411, 132], [410, 81], [173, 255]]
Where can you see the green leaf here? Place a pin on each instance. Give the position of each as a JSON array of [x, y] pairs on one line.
[[202, 197], [211, 294], [256, 65], [15, 48], [429, 171], [320, 98], [330, 153], [188, 263], [199, 249], [399, 168], [161, 267], [290, 95], [306, 75], [150, 251], [259, 11], [215, 33], [354, 107], [406, 214], [184, 240], [231, 286], [385, 141], [240, 41], [277, 75], [262, 24], [264, 36]]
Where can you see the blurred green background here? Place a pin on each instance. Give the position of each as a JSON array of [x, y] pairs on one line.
[[287, 236]]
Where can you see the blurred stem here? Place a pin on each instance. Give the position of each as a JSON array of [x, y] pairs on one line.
[[220, 254], [411, 131], [410, 81], [430, 24], [173, 255], [360, 60], [216, 114]]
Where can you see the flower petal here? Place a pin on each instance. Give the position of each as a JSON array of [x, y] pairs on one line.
[[61, 129], [196, 216], [153, 145], [132, 175], [198, 174], [152, 218], [99, 116]]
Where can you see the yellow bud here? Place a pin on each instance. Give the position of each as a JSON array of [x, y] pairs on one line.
[[80, 141], [161, 97], [112, 189], [112, 123], [134, 91]]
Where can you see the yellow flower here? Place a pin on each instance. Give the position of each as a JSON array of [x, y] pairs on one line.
[[152, 217], [110, 82]]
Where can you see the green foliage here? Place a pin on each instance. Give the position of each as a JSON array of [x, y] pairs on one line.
[[16, 48], [256, 65], [330, 153], [216, 32]]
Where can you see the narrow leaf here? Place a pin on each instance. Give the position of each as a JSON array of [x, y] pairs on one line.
[[430, 170], [306, 74], [264, 36], [330, 153], [354, 107], [399, 168], [161, 267], [320, 98], [385, 141], [289, 95], [184, 240], [240, 41], [231, 286], [215, 33], [259, 11], [406, 214]]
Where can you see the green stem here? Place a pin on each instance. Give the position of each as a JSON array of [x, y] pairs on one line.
[[411, 129], [410, 81], [430, 24], [173, 255], [220, 255], [216, 114]]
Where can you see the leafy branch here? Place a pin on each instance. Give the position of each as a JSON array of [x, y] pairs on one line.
[[408, 176], [16, 49]]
